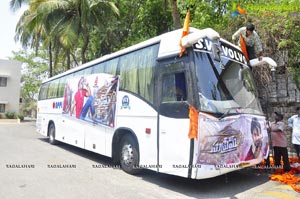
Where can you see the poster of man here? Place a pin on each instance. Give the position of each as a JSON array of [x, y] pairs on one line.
[[91, 98], [233, 140]]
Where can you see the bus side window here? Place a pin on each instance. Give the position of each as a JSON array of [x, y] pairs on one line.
[[174, 87], [43, 94], [61, 86], [53, 88]]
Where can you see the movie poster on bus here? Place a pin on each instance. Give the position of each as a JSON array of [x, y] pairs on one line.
[[231, 141], [91, 98]]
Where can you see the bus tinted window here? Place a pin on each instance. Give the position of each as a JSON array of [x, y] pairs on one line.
[[109, 67], [88, 71], [137, 71], [79, 73], [53, 88], [174, 87], [43, 91], [99, 68], [61, 87]]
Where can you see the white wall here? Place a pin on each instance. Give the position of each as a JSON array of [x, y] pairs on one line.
[[11, 93]]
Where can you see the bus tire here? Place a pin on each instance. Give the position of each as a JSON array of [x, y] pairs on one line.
[[52, 134], [129, 155]]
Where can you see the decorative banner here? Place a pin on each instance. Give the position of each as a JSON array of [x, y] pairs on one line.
[[193, 115], [233, 140], [91, 98]]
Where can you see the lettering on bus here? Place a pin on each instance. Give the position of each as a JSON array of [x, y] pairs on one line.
[[226, 50], [57, 105], [225, 145]]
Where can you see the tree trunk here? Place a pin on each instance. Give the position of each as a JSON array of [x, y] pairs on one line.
[[175, 14], [68, 60], [86, 40], [50, 60]]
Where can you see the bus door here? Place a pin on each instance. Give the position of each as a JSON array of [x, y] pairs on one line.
[[173, 91]]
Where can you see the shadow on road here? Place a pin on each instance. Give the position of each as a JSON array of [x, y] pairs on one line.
[[227, 185]]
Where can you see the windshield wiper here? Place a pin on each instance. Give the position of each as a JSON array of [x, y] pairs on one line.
[[227, 112], [220, 80]]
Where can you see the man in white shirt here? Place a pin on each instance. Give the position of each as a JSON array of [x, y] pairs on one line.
[[294, 122]]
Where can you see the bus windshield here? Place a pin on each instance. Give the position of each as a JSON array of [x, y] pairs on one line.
[[226, 86]]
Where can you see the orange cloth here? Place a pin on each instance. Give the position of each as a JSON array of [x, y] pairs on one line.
[[193, 115], [185, 31], [243, 47]]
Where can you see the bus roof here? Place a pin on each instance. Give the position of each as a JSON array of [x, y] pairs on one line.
[[169, 45]]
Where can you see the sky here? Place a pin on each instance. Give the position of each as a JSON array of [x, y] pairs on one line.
[[8, 22]]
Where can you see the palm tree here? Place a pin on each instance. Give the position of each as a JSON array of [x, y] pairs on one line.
[[62, 24], [74, 20], [17, 4], [31, 30]]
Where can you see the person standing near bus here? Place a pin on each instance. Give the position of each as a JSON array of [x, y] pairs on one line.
[[294, 122], [279, 142], [252, 41]]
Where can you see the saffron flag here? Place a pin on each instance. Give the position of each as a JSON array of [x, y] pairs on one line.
[[185, 31], [193, 115], [243, 47], [241, 10]]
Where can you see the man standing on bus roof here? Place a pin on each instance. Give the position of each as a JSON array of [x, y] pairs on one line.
[[252, 40]]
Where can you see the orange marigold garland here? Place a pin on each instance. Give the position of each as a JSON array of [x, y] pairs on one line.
[[291, 178]]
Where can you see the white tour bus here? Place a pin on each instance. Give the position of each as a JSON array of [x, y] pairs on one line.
[[195, 116]]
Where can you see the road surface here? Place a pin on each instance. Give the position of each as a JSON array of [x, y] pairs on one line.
[[31, 168]]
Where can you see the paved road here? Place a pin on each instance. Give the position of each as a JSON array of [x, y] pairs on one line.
[[31, 168]]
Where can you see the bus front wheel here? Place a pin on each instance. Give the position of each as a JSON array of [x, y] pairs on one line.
[[129, 156], [52, 134]]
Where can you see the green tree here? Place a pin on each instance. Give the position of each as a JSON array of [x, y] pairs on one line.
[[33, 29], [17, 4], [34, 70], [138, 20], [62, 24], [77, 31]]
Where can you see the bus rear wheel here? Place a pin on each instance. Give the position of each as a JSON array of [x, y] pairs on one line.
[[129, 155], [52, 134]]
